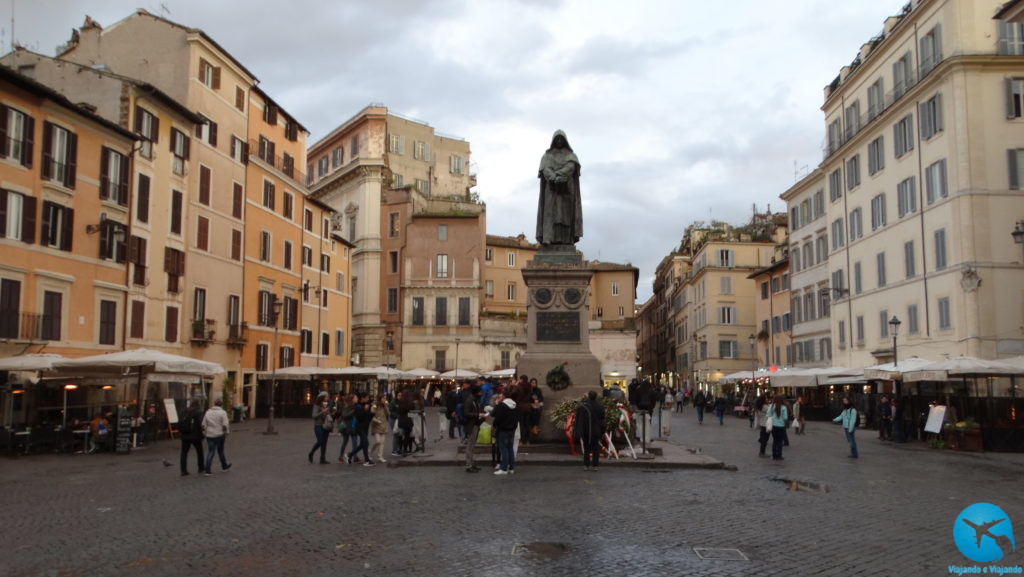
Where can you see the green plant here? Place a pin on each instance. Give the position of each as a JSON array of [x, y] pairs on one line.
[[611, 413], [937, 444]]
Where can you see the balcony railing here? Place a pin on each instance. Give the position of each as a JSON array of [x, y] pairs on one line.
[[238, 335], [29, 326], [277, 162], [203, 331]]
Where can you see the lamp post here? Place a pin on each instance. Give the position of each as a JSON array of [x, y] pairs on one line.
[[894, 328], [275, 311], [67, 388], [753, 359], [456, 358]]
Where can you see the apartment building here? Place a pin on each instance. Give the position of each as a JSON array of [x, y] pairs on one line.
[[504, 259], [772, 345], [924, 168], [613, 327], [351, 170], [809, 291], [64, 216]]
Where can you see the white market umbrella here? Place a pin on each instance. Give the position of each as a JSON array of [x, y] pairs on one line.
[[895, 371], [30, 362], [155, 361], [1015, 361], [423, 373], [501, 373], [389, 373], [459, 374], [962, 366]]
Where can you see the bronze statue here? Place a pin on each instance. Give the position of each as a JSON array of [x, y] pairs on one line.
[[559, 212]]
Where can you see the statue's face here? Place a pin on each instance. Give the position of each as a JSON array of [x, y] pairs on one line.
[[560, 142]]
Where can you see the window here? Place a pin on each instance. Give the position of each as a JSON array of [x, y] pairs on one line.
[[878, 212], [392, 300], [456, 164], [325, 263], [171, 325], [940, 249], [337, 157], [835, 135], [423, 186], [269, 195], [236, 245], [856, 224], [339, 342], [822, 248], [307, 256], [842, 333], [489, 289], [726, 258], [262, 354], [209, 74], [322, 167], [393, 225], [1011, 38], [726, 286], [728, 349], [876, 155], [775, 285], [506, 359], [931, 50], [239, 150], [60, 152], [270, 114], [1014, 97], [108, 322], [17, 216], [352, 227], [880, 268], [858, 286], [237, 200], [808, 255], [876, 99], [393, 261], [287, 254], [267, 151], [17, 131], [794, 218], [240, 98], [511, 259], [805, 211], [325, 343], [199, 304], [417, 311], [266, 309], [511, 291], [797, 307], [265, 246], [439, 360], [174, 266], [903, 136], [179, 151], [207, 132], [819, 203], [396, 144], [810, 308], [353, 146], [442, 266], [838, 283], [902, 75], [727, 315], [860, 329], [945, 321], [420, 150], [441, 311], [764, 290], [912, 325], [935, 181], [906, 197], [853, 172], [908, 259], [464, 311], [56, 231], [138, 322], [202, 233], [931, 117], [852, 118], [325, 227], [289, 205], [442, 232], [307, 219], [339, 282], [883, 320], [835, 185], [305, 342], [838, 236]]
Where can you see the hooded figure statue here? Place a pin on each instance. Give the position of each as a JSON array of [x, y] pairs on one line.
[[559, 212]]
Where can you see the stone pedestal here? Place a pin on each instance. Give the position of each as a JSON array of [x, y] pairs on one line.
[[558, 313]]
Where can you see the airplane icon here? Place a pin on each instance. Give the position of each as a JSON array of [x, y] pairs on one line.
[[983, 529]]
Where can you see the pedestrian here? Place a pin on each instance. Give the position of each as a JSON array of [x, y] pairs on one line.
[[361, 425], [451, 401], [848, 417], [670, 400], [323, 422], [763, 425], [396, 440], [506, 420], [779, 416], [680, 400], [216, 428], [720, 406], [99, 432], [885, 419], [379, 426], [588, 427], [471, 416], [190, 427], [898, 421], [698, 403], [344, 413], [524, 406], [798, 415]]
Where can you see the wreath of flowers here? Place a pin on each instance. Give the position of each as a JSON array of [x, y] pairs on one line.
[[558, 379]]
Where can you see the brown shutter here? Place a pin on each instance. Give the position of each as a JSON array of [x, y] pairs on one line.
[[46, 234], [4, 146], [213, 133], [30, 139], [169, 260], [171, 328], [104, 172], [245, 153], [203, 233], [133, 249], [69, 174], [188, 145], [236, 244], [271, 153], [138, 120], [122, 188], [47, 167], [216, 78], [143, 252], [239, 98], [204, 185], [181, 261], [28, 220], [142, 199], [156, 129], [106, 232], [69, 229], [236, 201], [199, 130], [138, 328], [3, 213]]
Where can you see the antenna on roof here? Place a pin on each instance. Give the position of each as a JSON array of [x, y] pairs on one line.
[[164, 9]]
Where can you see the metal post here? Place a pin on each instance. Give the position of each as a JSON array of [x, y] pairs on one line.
[[275, 309]]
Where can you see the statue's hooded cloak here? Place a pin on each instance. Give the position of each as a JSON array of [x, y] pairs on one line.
[[560, 211]]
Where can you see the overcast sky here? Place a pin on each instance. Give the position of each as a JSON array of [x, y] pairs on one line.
[[678, 110]]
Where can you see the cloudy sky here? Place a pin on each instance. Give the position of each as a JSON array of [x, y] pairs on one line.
[[679, 110]]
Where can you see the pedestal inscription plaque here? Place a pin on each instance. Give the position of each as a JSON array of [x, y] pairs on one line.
[[562, 327]]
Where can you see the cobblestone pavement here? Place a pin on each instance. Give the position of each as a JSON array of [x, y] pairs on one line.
[[889, 513]]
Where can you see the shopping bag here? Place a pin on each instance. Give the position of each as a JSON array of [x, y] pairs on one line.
[[484, 436]]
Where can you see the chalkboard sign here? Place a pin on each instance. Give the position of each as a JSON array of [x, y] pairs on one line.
[[172, 411], [936, 414], [123, 441]]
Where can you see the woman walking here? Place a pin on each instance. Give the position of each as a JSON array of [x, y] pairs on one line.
[[849, 420], [361, 423], [379, 426], [323, 422], [345, 413], [779, 418], [798, 415], [762, 424]]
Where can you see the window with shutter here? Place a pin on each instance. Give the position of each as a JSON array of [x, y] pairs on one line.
[[203, 233], [171, 325], [237, 199], [236, 245], [138, 322]]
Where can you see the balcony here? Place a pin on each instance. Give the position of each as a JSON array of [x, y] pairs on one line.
[[238, 335], [29, 326], [278, 162], [203, 332]]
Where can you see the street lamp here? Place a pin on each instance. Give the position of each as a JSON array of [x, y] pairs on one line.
[[67, 388], [457, 358], [753, 358], [275, 311], [894, 328]]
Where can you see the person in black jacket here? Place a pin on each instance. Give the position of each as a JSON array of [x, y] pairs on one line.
[[506, 419], [362, 419], [589, 428], [191, 429]]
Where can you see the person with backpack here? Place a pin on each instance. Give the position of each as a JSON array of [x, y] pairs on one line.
[[323, 422], [190, 428], [848, 417]]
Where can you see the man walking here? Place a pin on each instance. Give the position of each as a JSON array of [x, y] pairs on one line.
[[190, 427], [698, 403], [885, 419], [471, 414], [215, 428], [506, 420], [849, 419], [362, 419], [589, 428]]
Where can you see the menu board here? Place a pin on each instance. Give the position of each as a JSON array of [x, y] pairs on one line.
[[936, 414], [123, 440], [172, 411]]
